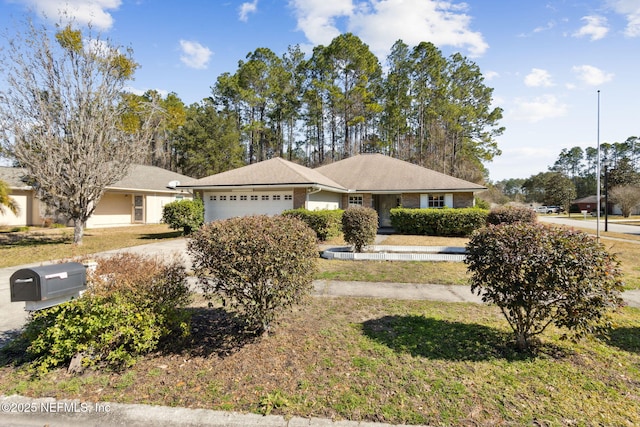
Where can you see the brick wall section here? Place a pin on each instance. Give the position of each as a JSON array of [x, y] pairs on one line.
[[462, 200], [367, 200], [299, 198], [410, 200]]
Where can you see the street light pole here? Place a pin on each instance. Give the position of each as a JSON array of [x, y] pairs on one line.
[[606, 195], [598, 202]]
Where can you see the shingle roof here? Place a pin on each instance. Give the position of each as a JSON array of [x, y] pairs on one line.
[[272, 172], [143, 177], [140, 177], [13, 177], [380, 173]]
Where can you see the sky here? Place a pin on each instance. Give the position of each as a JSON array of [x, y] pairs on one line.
[[565, 72]]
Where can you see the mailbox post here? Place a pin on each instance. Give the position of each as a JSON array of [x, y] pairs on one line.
[[46, 286]]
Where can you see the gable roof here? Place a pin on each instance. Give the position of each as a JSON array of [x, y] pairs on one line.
[[140, 178], [379, 173], [13, 178], [150, 178], [273, 172]]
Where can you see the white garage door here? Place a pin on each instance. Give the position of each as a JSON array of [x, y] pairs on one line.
[[232, 204]]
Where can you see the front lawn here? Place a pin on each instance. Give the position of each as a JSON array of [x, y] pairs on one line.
[[377, 360], [47, 244]]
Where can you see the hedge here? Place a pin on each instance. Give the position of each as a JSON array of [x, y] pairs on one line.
[[438, 222], [326, 223]]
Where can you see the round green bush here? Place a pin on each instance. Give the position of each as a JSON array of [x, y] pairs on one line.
[[510, 215], [258, 265], [185, 214], [540, 275], [360, 226]]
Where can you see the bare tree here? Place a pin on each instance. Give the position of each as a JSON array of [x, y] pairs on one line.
[[61, 116], [627, 197]]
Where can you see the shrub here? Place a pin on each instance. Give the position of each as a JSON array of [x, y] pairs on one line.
[[360, 226], [326, 223], [185, 214], [131, 304], [438, 222], [510, 215], [540, 275], [258, 265]]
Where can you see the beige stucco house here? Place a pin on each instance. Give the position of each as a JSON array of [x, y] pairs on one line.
[[372, 180], [138, 198]]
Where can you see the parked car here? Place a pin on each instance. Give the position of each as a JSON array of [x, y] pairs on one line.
[[548, 209]]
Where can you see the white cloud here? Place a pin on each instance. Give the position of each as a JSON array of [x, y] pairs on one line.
[[194, 55], [141, 92], [246, 9], [94, 12], [591, 75], [379, 23], [539, 108], [631, 10], [490, 75], [538, 78], [316, 18], [595, 27]]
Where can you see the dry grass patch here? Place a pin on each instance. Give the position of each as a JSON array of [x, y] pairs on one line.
[[376, 360], [37, 245], [410, 240]]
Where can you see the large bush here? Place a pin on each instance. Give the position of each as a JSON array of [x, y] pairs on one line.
[[360, 226], [258, 265], [185, 214], [132, 302], [510, 215], [438, 222], [540, 275], [326, 223]]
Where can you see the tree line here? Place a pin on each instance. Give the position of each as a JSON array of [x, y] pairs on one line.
[[422, 107], [574, 176]]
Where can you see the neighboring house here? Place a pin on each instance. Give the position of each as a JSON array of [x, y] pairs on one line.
[[138, 198], [372, 180], [590, 204]]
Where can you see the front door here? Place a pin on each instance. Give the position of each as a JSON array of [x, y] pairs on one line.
[[385, 203], [138, 208]]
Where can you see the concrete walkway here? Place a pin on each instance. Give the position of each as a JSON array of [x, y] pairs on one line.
[[18, 411]]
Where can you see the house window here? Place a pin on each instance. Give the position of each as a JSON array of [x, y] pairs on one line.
[[233, 198], [265, 197], [254, 197], [288, 197], [355, 200], [213, 198], [243, 198], [223, 198], [276, 197], [179, 197], [436, 201]]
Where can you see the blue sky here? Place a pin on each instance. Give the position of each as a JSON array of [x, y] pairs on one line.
[[546, 60]]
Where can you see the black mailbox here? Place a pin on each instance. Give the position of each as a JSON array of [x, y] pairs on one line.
[[48, 282]]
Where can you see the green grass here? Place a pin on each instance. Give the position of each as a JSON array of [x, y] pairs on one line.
[[444, 273], [381, 360]]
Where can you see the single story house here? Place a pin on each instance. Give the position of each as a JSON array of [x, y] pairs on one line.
[[372, 180], [138, 198], [590, 204]]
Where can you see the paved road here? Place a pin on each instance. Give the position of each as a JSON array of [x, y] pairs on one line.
[[592, 224]]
